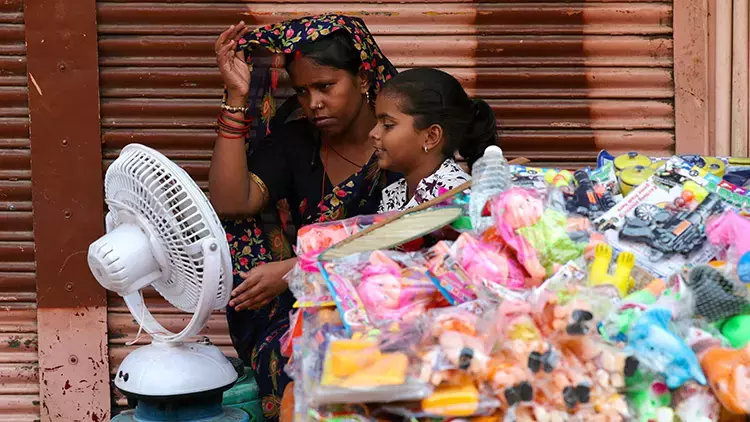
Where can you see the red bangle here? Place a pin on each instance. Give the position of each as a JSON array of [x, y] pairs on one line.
[[225, 134], [230, 128], [229, 116]]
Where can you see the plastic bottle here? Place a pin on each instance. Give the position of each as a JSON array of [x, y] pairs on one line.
[[490, 176]]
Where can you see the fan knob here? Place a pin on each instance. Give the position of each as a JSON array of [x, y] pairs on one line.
[[122, 260]]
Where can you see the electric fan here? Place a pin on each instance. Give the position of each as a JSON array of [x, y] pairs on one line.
[[162, 232]]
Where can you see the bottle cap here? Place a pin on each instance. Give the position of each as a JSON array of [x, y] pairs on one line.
[[493, 150]]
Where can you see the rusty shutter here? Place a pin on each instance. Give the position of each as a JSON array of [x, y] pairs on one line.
[[565, 79], [19, 381]]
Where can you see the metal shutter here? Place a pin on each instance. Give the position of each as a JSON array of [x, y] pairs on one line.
[[566, 79], [19, 380]]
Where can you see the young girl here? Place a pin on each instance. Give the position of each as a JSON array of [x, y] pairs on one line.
[[424, 118]]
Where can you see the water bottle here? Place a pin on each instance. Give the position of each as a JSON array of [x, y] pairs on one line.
[[490, 176]]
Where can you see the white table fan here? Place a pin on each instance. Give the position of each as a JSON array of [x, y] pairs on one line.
[[163, 232]]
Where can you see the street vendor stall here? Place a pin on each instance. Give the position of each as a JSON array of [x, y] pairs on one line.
[[615, 293]]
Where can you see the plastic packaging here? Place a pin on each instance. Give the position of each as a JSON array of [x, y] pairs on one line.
[[315, 238], [377, 289], [664, 229], [372, 368], [487, 265], [541, 236], [307, 283], [490, 176], [730, 230], [450, 278]]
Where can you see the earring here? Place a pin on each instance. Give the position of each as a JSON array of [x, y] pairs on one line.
[[426, 150], [367, 96]]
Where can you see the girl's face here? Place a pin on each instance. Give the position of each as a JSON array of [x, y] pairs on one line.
[[331, 98], [398, 145]]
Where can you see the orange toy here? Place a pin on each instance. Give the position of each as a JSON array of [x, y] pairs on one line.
[[728, 372]]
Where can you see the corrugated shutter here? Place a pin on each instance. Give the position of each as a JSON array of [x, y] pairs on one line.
[[19, 380], [566, 79]]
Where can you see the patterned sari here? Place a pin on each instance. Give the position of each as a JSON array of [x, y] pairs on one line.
[[275, 143]]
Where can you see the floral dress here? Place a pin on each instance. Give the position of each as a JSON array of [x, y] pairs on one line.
[[288, 163], [448, 176]]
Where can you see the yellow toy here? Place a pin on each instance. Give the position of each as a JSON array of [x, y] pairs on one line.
[[600, 269], [455, 400], [558, 179], [360, 363]]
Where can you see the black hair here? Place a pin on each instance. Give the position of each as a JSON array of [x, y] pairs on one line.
[[335, 50], [434, 97]]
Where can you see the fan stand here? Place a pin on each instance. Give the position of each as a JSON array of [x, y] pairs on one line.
[[203, 406], [167, 380]]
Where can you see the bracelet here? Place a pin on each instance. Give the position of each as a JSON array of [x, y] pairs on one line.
[[229, 136], [233, 109], [261, 185], [227, 115], [221, 123]]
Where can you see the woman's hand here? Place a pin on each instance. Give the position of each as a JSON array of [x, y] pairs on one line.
[[262, 284], [234, 70]]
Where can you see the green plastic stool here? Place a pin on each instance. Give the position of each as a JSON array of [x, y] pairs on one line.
[[244, 393]]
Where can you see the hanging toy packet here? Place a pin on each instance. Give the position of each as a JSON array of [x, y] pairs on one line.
[[374, 289], [452, 281], [305, 280], [539, 231]]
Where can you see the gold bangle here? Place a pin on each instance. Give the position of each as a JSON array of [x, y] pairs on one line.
[[261, 185], [233, 109]]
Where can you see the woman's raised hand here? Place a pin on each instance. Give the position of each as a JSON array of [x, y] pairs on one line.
[[234, 70]]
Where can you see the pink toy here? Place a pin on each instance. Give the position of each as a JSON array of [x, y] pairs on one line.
[[730, 229], [539, 236], [391, 292], [484, 263]]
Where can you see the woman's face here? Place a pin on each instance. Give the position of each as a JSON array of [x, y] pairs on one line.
[[331, 98], [398, 144]]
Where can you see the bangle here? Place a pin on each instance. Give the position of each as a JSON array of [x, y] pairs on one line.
[[261, 185], [225, 114], [233, 109], [229, 136], [229, 128]]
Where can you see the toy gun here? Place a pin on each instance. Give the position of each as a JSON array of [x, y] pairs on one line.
[[585, 200], [668, 233]]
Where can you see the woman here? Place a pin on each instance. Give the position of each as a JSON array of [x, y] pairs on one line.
[[315, 169]]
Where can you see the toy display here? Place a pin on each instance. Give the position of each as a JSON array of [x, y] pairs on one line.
[[615, 293]]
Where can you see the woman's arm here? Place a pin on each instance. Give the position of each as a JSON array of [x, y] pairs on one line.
[[233, 192]]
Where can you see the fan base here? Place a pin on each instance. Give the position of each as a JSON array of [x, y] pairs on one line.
[[164, 372], [150, 413]]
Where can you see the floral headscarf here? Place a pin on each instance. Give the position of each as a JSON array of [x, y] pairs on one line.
[[286, 38]]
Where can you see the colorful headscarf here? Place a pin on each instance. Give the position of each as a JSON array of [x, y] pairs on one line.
[[286, 38]]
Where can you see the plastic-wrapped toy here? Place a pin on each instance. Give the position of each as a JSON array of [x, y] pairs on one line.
[[728, 371], [731, 230], [360, 369], [647, 402], [621, 279], [587, 200], [667, 232], [450, 277], [715, 296], [307, 283], [693, 402], [737, 330], [315, 238], [660, 350], [485, 263], [380, 288], [541, 238]]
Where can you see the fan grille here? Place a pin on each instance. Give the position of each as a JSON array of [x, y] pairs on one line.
[[146, 183]]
